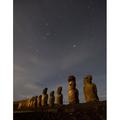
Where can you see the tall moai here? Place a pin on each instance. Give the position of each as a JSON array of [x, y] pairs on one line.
[[51, 99], [39, 101], [73, 94], [44, 97], [90, 89], [59, 96]]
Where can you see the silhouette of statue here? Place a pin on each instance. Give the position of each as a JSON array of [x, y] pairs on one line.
[[44, 97], [39, 101], [59, 96], [90, 89], [51, 99], [36, 101], [72, 90]]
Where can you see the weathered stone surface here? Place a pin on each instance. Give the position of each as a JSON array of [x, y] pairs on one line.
[[51, 99], [44, 97], [59, 96], [90, 89], [73, 94]]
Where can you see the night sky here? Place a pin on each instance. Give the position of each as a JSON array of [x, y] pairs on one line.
[[56, 38]]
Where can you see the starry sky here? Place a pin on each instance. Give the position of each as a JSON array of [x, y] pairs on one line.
[[56, 38]]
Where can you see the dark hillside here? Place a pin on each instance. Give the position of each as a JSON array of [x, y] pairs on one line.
[[83, 111]]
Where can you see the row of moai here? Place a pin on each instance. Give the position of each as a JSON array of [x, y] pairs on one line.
[[90, 94], [42, 100]]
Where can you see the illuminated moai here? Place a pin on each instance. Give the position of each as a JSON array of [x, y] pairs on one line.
[[39, 101], [28, 103], [20, 105], [59, 96], [33, 102], [73, 94], [44, 97], [51, 99], [90, 89], [23, 104]]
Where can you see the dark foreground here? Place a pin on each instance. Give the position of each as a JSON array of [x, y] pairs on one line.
[[83, 111]]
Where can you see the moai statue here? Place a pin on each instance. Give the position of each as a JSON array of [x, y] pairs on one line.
[[36, 101], [44, 97], [39, 101], [90, 89], [28, 103], [19, 106], [33, 102], [59, 96], [51, 99], [73, 94]]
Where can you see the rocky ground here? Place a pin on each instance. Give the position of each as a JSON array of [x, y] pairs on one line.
[[82, 111]]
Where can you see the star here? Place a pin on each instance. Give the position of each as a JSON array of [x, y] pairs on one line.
[[74, 46]]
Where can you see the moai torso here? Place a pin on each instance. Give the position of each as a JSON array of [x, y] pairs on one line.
[[59, 96], [28, 103], [51, 99], [73, 94], [44, 97], [39, 101], [90, 89], [36, 101], [33, 102]]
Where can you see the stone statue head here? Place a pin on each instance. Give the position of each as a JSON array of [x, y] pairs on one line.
[[52, 93], [71, 82], [40, 96], [59, 90], [88, 79], [45, 91], [32, 98]]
